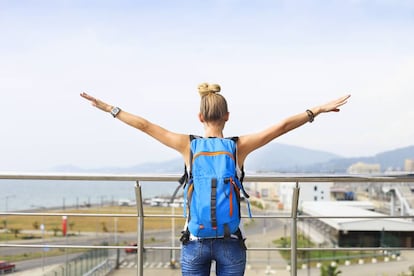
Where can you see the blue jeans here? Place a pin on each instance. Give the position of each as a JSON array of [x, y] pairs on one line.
[[197, 255]]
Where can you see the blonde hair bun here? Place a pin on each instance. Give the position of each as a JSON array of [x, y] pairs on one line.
[[205, 89]]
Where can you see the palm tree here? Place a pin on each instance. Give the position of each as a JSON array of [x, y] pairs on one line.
[[36, 225]]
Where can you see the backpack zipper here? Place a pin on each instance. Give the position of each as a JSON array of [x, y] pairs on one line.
[[232, 187]]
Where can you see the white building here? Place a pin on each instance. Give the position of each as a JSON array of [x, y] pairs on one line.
[[264, 190], [364, 168], [371, 229], [309, 191], [409, 165]]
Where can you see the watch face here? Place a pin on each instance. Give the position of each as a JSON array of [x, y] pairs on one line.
[[115, 111]]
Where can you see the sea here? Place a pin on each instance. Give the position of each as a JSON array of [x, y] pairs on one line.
[[19, 195]]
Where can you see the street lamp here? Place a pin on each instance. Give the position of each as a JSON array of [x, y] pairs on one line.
[[7, 209], [7, 200]]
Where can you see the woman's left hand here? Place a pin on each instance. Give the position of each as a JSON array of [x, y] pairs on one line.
[[334, 105], [96, 102]]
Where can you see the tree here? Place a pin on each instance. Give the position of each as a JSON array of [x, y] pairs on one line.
[[104, 228], [15, 231], [35, 225], [71, 224], [329, 270], [55, 230], [4, 222]]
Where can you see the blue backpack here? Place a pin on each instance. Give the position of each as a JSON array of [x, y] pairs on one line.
[[212, 190]]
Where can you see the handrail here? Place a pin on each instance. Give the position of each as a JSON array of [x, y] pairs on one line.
[[392, 178], [403, 177], [177, 247], [180, 216]]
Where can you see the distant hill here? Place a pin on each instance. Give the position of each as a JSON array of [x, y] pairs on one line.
[[170, 166], [277, 157], [392, 160], [274, 157]]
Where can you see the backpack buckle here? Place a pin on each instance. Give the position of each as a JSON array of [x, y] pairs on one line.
[[185, 236]]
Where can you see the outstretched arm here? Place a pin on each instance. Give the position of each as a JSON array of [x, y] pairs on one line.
[[179, 142], [249, 143]]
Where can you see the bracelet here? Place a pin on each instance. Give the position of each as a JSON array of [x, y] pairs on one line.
[[311, 116]]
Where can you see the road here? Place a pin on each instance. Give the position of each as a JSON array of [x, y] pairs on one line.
[[152, 238], [260, 233], [84, 239]]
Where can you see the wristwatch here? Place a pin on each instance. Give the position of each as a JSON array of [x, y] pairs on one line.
[[115, 111]]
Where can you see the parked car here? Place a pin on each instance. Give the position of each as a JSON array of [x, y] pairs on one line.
[[6, 267], [131, 250]]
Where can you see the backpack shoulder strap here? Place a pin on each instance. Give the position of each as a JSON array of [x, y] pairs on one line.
[[241, 177], [192, 137], [233, 138], [187, 174]]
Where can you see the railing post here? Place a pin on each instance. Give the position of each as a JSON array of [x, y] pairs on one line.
[[293, 235], [172, 255], [140, 229]]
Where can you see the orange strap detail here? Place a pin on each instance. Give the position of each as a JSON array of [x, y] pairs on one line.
[[213, 153], [190, 190]]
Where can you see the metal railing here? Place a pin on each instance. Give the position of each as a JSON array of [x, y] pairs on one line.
[[294, 216]]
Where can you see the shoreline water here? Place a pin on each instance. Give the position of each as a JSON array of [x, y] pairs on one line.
[[19, 195]]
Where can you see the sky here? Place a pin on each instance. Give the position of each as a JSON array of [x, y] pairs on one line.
[[272, 58]]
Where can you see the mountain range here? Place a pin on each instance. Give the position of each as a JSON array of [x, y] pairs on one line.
[[275, 157]]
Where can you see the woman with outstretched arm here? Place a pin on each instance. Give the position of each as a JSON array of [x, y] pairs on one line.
[[198, 254]]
